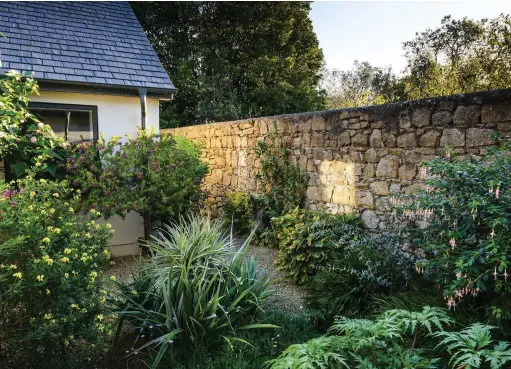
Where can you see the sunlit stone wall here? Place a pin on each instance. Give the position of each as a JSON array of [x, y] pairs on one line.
[[355, 157]]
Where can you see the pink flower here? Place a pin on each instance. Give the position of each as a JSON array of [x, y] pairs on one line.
[[452, 243], [33, 139]]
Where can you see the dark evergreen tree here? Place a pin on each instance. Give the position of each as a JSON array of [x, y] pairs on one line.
[[232, 60]]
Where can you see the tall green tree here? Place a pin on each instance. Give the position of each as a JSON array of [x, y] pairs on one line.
[[231, 60], [459, 56]]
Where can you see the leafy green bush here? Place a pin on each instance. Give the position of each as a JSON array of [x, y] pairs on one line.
[[467, 243], [51, 280], [398, 339], [237, 213], [25, 143], [284, 184], [201, 289], [155, 176], [368, 268], [307, 239]]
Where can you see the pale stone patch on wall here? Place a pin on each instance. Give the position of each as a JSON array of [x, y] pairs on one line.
[[356, 158]]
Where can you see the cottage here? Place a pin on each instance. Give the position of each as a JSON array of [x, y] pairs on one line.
[[96, 70]]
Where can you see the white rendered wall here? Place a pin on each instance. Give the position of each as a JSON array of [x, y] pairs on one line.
[[117, 115]]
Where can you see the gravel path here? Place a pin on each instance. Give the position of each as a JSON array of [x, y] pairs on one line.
[[287, 298]]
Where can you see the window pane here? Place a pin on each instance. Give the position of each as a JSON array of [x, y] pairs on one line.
[[80, 123]]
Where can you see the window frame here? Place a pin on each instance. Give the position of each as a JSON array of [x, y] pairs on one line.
[[70, 107]]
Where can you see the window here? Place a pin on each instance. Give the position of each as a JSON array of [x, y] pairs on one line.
[[68, 120]]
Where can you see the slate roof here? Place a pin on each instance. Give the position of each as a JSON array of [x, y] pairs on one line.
[[90, 43]]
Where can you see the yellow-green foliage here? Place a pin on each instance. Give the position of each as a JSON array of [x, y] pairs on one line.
[[51, 272]]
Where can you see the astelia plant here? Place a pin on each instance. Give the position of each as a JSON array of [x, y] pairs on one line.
[[465, 234], [155, 176], [25, 142]]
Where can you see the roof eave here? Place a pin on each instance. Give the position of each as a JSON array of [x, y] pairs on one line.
[[104, 89]]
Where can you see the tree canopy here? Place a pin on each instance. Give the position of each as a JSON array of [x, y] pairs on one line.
[[231, 60], [459, 56]]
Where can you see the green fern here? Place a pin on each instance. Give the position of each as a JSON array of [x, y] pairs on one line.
[[318, 353], [470, 347]]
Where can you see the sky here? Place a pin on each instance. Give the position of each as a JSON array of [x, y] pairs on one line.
[[374, 30]]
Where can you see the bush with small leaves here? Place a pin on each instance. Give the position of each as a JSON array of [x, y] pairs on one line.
[[467, 241], [52, 293]]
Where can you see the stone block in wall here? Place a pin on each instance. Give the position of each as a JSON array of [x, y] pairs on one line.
[[371, 156], [375, 140], [493, 113], [359, 140], [404, 119], [421, 117], [442, 118], [379, 187], [466, 115], [369, 171], [317, 139], [452, 137], [407, 171], [370, 219], [342, 195], [389, 139], [429, 138], [314, 194], [479, 137], [407, 140], [344, 139], [387, 167]]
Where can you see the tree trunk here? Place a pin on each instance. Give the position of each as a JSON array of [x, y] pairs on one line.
[[147, 225]]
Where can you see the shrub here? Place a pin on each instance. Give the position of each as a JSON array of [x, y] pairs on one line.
[[467, 243], [398, 339], [307, 239], [202, 288], [265, 345], [366, 269], [284, 184], [155, 176], [237, 213], [26, 144], [51, 279]]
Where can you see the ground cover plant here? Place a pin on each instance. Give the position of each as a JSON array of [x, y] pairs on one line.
[[201, 289], [158, 177], [398, 339], [52, 291]]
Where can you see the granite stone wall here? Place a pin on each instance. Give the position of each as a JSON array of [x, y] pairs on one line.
[[355, 157]]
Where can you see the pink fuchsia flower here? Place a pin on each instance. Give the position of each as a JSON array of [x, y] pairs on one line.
[[33, 139], [452, 243]]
